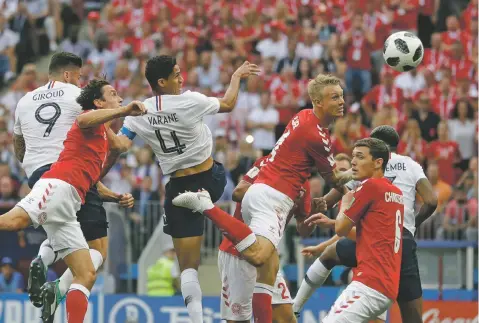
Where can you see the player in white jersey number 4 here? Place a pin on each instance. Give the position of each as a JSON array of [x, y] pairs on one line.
[[409, 177], [182, 142]]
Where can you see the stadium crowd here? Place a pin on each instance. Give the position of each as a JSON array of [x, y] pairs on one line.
[[434, 107]]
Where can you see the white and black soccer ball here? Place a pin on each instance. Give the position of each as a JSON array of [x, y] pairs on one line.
[[403, 51]]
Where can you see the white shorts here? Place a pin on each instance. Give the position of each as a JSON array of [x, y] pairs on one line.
[[53, 204], [358, 303], [265, 211], [238, 279]]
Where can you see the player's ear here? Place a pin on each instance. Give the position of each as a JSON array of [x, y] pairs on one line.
[[162, 82], [98, 103], [378, 163]]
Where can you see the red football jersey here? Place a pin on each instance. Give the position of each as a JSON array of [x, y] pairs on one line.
[[378, 212], [305, 204], [303, 145], [82, 158]]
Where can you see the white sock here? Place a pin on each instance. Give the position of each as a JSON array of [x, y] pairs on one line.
[[315, 278], [47, 254], [191, 291], [67, 277]]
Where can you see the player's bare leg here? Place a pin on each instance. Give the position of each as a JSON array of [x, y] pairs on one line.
[[411, 311], [188, 254], [283, 313], [315, 277], [263, 291], [84, 276], [14, 220]]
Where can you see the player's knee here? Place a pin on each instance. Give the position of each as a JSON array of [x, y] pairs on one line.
[[329, 257]]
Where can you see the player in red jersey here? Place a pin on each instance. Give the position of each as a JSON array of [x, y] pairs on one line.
[[305, 144], [58, 195], [238, 277], [376, 208]]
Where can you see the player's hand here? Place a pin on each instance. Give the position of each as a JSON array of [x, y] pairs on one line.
[[135, 109], [126, 200], [320, 220], [247, 69], [314, 251], [319, 205]]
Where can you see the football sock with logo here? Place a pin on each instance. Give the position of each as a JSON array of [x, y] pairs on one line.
[[77, 303], [262, 308], [47, 254], [191, 291], [235, 230], [67, 278], [315, 278]]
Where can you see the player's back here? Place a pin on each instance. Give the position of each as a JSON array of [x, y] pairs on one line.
[[43, 117], [378, 236], [303, 145], [175, 130], [404, 172], [82, 158]]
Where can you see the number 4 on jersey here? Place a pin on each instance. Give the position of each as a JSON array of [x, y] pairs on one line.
[[178, 147]]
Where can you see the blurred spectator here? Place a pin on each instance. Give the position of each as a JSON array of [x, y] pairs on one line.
[[340, 141], [309, 48], [102, 57], [145, 196], [462, 129], [410, 82], [8, 60], [8, 193], [460, 218], [276, 45], [262, 122], [208, 74], [469, 179], [11, 281], [411, 143], [40, 12], [164, 276], [293, 60], [444, 98], [442, 189], [427, 119], [445, 153], [104, 283], [384, 94], [75, 45], [358, 45]]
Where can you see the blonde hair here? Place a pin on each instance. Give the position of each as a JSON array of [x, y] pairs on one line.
[[317, 85]]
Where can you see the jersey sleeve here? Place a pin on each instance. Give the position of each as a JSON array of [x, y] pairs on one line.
[[128, 128], [205, 105], [362, 198], [417, 171]]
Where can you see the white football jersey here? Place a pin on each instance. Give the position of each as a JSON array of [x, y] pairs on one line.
[[403, 172], [43, 117], [174, 129]]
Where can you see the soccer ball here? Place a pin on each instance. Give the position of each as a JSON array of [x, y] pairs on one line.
[[403, 51]]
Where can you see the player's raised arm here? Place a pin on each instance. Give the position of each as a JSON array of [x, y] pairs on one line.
[[228, 102], [103, 101]]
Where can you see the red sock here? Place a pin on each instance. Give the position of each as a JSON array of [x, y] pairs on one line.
[[232, 228], [77, 303], [262, 309]]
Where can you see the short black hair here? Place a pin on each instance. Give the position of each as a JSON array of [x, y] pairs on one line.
[[387, 134], [63, 60], [91, 92], [159, 67], [377, 149]]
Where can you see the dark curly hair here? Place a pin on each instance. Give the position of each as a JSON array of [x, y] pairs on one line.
[[470, 109], [91, 92]]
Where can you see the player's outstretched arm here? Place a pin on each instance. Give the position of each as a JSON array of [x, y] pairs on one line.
[[228, 102], [125, 200], [19, 147], [343, 224], [426, 192], [97, 117], [240, 191]]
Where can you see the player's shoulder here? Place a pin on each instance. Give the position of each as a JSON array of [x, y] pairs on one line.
[[410, 163]]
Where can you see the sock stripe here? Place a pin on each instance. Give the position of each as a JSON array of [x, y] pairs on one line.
[[81, 288]]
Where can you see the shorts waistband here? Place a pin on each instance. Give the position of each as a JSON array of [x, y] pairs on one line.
[[196, 176]]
